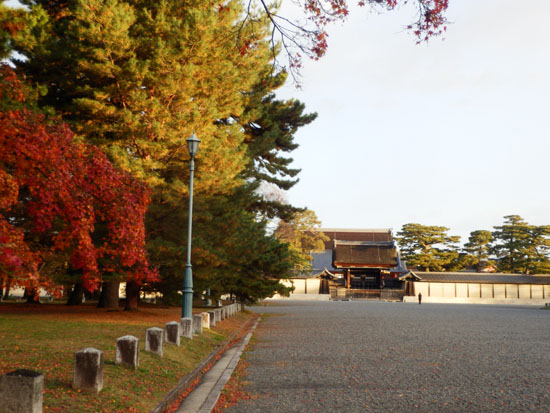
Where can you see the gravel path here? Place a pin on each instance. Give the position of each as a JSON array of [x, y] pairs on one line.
[[398, 357]]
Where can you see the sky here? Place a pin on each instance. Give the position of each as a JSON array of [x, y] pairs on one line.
[[454, 132]]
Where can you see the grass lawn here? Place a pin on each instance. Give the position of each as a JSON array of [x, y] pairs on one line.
[[44, 338]]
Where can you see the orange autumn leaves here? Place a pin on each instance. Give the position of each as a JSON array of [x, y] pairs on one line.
[[61, 200]]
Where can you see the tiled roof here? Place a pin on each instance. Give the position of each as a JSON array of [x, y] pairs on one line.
[[477, 277], [321, 260], [365, 254], [351, 234]]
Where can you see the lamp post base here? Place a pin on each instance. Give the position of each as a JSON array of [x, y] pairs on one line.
[[208, 299], [187, 293]]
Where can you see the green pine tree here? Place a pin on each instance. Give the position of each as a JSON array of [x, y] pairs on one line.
[[477, 249], [520, 247], [136, 78], [511, 241], [429, 248]]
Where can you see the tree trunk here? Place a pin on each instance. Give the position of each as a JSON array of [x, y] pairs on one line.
[[8, 286], [132, 296], [32, 296], [109, 295], [75, 298]]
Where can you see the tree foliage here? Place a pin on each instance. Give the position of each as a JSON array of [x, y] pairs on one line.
[[514, 247], [429, 248], [477, 249], [298, 37], [232, 251], [521, 247], [250, 262], [63, 206], [136, 78], [303, 235], [269, 125]]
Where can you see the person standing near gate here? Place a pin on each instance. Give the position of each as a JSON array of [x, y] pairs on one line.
[[419, 298]]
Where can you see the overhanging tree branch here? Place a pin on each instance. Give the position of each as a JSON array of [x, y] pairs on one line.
[[308, 38]]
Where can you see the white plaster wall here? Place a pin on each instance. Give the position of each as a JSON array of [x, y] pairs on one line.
[[298, 286], [299, 292], [511, 291], [313, 285], [525, 291], [421, 288], [474, 290], [448, 289], [537, 291], [436, 290], [486, 290], [511, 296], [500, 291], [462, 290]]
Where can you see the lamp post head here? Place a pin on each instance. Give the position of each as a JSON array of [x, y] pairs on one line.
[[193, 144]]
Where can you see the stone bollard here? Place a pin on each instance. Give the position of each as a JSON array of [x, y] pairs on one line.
[[127, 351], [186, 327], [88, 370], [218, 315], [232, 310], [172, 332], [197, 324], [205, 320], [21, 391], [154, 340], [224, 312], [212, 318]]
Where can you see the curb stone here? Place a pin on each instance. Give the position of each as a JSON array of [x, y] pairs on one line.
[[186, 382]]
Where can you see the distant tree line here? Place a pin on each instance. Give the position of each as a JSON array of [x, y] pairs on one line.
[[514, 247]]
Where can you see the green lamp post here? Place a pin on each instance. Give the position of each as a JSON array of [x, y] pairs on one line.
[[187, 292]]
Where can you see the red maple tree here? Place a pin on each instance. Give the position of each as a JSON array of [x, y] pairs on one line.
[[62, 203]]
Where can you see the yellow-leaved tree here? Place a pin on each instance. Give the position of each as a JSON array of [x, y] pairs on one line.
[[304, 236]]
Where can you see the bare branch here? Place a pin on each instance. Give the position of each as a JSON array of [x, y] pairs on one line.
[[308, 38]]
